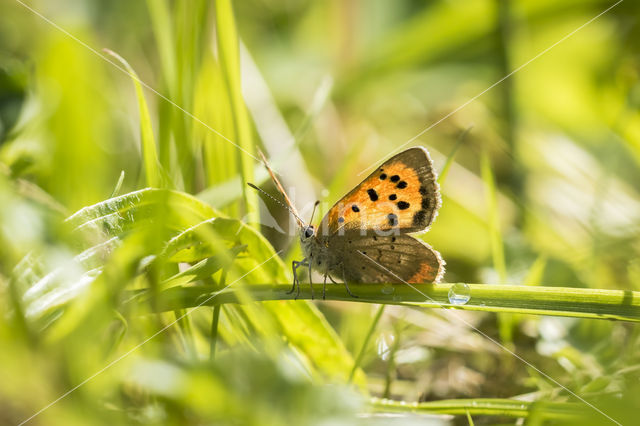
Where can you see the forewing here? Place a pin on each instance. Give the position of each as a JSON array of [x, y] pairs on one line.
[[401, 194], [395, 259]]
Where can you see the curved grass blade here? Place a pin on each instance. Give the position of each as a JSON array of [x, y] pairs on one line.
[[149, 150], [207, 267]]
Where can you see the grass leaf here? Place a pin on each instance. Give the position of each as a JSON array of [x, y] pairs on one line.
[[147, 140], [229, 56]]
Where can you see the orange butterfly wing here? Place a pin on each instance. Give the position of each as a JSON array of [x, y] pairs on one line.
[[401, 194]]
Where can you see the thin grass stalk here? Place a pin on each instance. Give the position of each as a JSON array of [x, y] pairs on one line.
[[483, 406], [367, 340], [505, 322], [215, 319], [621, 305], [391, 364]]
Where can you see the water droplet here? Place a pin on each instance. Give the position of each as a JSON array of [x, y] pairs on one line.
[[388, 289], [459, 294]]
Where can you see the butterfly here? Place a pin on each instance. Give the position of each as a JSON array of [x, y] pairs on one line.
[[364, 237]]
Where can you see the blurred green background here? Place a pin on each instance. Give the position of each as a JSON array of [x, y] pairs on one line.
[[325, 89]]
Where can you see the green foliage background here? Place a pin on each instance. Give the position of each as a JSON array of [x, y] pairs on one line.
[[128, 131]]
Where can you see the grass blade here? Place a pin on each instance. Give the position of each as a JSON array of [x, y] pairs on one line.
[[367, 339], [482, 406], [149, 150], [229, 55], [622, 305], [447, 165], [497, 249]]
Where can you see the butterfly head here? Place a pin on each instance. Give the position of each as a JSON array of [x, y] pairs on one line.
[[306, 232]]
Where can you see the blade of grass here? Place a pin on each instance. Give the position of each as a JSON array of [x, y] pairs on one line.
[[228, 51], [192, 30], [622, 305], [447, 165], [149, 150], [391, 363], [536, 272], [220, 159], [497, 249], [163, 32], [184, 331], [118, 185], [481, 406], [215, 319], [367, 339], [505, 322], [469, 419]]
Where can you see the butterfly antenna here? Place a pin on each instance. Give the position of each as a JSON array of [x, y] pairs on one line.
[[314, 210], [268, 195], [289, 205]]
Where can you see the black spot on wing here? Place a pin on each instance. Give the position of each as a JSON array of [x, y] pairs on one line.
[[426, 203], [355, 208], [393, 197], [393, 219], [403, 205], [373, 195], [419, 218], [401, 185], [394, 178], [383, 176]]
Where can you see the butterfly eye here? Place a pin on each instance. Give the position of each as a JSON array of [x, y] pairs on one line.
[[308, 232]]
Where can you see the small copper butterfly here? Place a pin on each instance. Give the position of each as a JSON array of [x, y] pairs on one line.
[[363, 238]]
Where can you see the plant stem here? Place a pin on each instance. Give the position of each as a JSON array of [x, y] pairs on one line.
[[482, 406], [391, 365], [365, 343], [622, 305], [215, 319], [214, 331]]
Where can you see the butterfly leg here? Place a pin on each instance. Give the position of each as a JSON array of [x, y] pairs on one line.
[[324, 286], [310, 281], [296, 282], [344, 279], [326, 274], [294, 268]]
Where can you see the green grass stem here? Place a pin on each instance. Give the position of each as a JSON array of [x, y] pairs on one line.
[[622, 305], [480, 406]]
